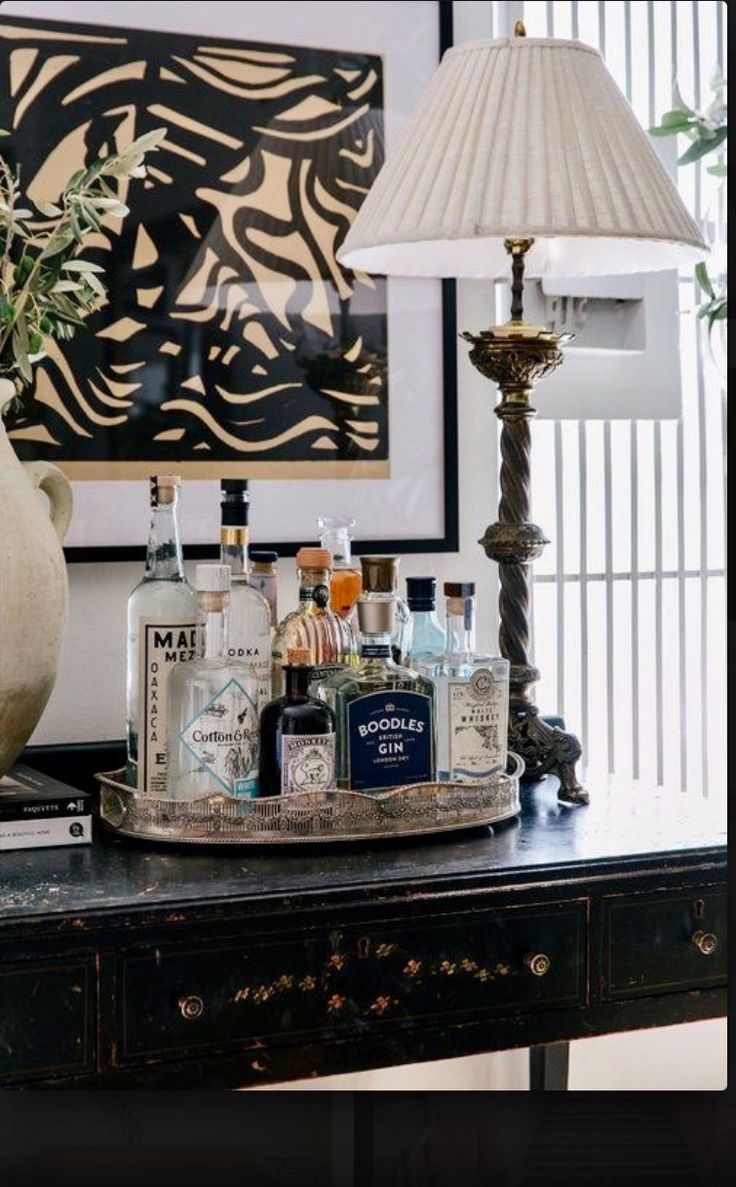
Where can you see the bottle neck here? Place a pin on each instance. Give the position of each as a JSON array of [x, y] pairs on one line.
[[213, 613], [337, 541], [163, 554], [376, 647], [234, 549], [460, 626], [297, 680], [311, 580], [426, 614]]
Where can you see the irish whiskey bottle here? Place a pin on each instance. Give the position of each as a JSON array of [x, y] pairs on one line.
[[385, 714], [297, 747], [427, 636], [329, 638], [381, 583], [161, 633], [472, 696], [213, 715], [249, 632]]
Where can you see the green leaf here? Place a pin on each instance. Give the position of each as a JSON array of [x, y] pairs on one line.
[[81, 266], [703, 279], [703, 146], [717, 170]]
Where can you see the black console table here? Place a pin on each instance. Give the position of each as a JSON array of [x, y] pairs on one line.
[[127, 966]]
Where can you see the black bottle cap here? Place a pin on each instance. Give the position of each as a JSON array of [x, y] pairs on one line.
[[234, 487], [233, 503], [421, 592], [459, 589], [263, 556]]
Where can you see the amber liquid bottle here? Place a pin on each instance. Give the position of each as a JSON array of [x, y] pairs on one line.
[[297, 735], [346, 582]]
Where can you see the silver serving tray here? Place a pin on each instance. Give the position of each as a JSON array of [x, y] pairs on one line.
[[309, 816]]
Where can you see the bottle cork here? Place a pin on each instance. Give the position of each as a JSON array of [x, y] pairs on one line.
[[314, 558], [299, 657]]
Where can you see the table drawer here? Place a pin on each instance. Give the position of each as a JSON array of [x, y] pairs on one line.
[[181, 1000], [47, 1017], [664, 942]]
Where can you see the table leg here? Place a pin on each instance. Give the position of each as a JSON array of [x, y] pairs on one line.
[[548, 1067]]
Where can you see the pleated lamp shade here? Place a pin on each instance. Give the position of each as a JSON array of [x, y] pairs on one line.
[[522, 137]]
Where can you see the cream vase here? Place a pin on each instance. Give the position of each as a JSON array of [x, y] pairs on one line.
[[33, 592]]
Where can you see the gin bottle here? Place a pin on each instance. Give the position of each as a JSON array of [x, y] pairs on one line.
[[427, 637], [161, 633], [297, 735], [385, 712], [330, 639], [472, 696], [249, 635], [346, 582], [381, 583], [213, 715]]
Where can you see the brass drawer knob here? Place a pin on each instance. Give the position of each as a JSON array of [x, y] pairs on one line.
[[705, 942], [191, 1007], [537, 963]]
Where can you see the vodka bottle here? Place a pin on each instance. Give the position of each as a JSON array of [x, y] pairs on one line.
[[213, 714], [249, 635], [161, 633]]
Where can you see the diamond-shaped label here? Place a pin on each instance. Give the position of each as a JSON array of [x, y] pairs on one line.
[[223, 737]]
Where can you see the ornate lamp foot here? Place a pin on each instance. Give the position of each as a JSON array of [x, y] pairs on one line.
[[546, 750]]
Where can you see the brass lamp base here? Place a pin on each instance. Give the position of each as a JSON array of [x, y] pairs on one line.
[[514, 356]]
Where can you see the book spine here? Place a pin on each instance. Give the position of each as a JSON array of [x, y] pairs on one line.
[[36, 834], [42, 809]]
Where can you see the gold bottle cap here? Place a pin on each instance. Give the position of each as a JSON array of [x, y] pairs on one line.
[[299, 657], [380, 573], [376, 616], [314, 558]]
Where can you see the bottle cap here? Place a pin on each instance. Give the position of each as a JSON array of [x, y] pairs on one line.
[[376, 615], [459, 589], [263, 556], [234, 502], [234, 487], [163, 488], [380, 573], [314, 558], [212, 578], [299, 657], [421, 592]]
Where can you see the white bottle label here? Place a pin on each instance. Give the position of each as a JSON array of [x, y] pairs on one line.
[[257, 658], [307, 762], [477, 726], [160, 646], [223, 737]]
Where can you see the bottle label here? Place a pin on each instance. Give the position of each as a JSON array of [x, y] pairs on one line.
[[257, 658], [477, 727], [389, 740], [307, 762], [223, 737], [375, 650], [160, 646]]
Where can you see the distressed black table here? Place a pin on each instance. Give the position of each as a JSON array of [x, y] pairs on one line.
[[127, 966]]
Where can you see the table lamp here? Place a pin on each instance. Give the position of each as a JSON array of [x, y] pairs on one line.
[[523, 155]]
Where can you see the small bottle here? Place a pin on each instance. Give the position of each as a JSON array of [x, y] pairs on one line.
[[346, 583], [472, 696], [264, 578], [249, 634], [385, 712], [330, 639], [428, 637], [381, 582], [162, 614], [297, 732], [213, 718]]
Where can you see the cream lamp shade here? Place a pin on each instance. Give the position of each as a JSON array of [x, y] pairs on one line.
[[522, 137]]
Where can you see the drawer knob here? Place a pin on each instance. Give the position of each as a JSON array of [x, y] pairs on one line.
[[537, 963], [705, 942], [191, 1007]]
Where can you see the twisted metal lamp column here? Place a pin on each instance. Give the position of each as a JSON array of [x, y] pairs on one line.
[[514, 356]]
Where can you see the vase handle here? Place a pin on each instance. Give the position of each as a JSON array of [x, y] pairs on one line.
[[55, 484]]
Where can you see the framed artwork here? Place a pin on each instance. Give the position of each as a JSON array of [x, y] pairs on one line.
[[233, 344]]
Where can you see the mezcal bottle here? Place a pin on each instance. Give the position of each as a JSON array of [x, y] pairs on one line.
[[297, 749], [162, 614], [472, 696], [249, 634], [213, 715], [330, 639], [385, 712]]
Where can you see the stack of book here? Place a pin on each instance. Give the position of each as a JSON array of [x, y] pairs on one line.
[[36, 810]]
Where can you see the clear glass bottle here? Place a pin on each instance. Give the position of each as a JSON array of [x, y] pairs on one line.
[[297, 746], [162, 614], [385, 712], [381, 583], [213, 715], [427, 636], [472, 696], [249, 635], [264, 578], [330, 639], [346, 583]]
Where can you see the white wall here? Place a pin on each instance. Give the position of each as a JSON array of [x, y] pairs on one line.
[[88, 703]]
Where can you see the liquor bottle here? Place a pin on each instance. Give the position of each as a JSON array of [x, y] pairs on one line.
[[297, 735], [472, 696], [346, 583], [162, 613], [213, 715], [249, 634], [427, 637], [381, 582], [330, 639], [385, 712], [264, 578]]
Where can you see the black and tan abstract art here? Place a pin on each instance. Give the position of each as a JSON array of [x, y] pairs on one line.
[[232, 340]]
